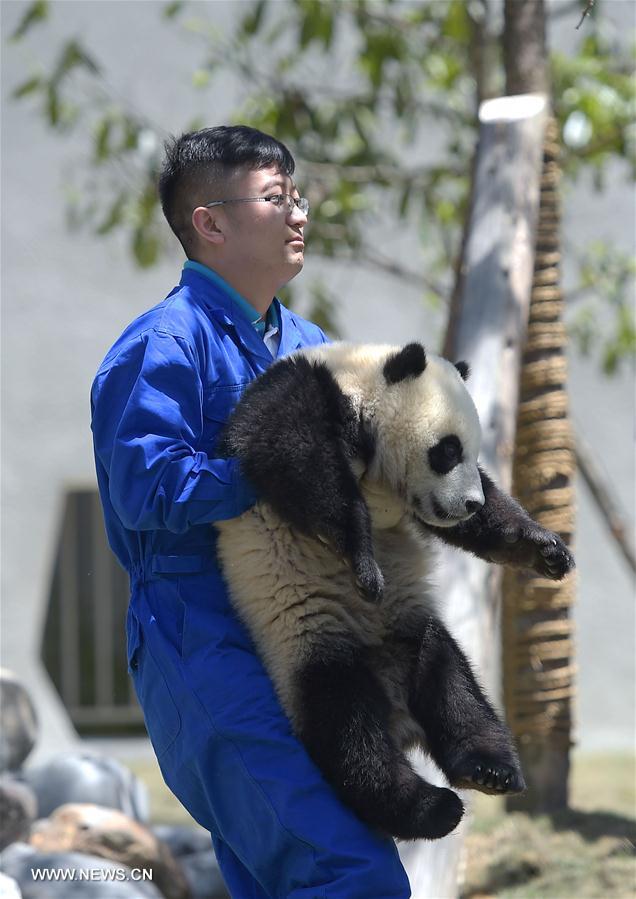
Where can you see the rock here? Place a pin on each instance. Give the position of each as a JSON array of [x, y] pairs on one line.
[[82, 777], [9, 889], [18, 810], [18, 722], [192, 847], [183, 839], [203, 875], [81, 876], [109, 834]]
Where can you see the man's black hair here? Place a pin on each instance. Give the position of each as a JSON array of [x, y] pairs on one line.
[[197, 164]]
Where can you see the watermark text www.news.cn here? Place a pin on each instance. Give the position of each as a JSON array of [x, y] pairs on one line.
[[99, 874]]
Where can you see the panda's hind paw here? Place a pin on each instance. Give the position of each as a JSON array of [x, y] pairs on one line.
[[490, 776], [497, 779]]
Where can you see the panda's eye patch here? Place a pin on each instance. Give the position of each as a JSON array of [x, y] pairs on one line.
[[446, 454]]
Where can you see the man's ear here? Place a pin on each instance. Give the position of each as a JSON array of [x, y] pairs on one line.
[[207, 225]]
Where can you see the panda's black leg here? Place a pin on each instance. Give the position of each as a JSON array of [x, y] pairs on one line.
[[464, 734], [354, 540], [344, 724], [503, 532]]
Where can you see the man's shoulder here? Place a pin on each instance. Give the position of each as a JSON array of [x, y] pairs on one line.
[[177, 317], [310, 333]]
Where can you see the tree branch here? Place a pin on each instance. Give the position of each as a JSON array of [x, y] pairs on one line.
[[561, 10], [607, 506], [586, 12], [375, 260], [362, 174]]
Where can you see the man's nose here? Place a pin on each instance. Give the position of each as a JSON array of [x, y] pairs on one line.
[[297, 214]]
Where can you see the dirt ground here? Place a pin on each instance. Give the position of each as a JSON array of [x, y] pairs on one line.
[[587, 852]]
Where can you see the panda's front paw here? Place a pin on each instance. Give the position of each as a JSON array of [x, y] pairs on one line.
[[369, 578], [546, 553], [555, 559]]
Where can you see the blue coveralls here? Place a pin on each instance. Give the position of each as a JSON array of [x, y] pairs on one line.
[[224, 746]]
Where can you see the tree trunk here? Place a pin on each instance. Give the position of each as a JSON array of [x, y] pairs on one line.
[[524, 47], [537, 628], [487, 328]]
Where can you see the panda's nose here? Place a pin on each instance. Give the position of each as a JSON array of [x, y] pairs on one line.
[[472, 506]]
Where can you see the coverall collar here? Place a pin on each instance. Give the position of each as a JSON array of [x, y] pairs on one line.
[[222, 302], [258, 321]]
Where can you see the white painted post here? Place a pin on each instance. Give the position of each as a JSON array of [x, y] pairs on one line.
[[487, 328]]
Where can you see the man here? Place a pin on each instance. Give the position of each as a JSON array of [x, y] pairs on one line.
[[159, 401]]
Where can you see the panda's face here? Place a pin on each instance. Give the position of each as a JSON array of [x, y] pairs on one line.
[[428, 437]]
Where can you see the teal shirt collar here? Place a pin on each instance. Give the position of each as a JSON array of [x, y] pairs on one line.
[[246, 309]]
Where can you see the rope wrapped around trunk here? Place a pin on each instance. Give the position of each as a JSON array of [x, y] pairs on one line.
[[538, 646]]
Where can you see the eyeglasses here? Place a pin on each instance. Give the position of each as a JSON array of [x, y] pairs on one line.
[[281, 201]]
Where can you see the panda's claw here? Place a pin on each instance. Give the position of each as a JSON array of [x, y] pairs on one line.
[[545, 552], [555, 559], [488, 774], [525, 544], [497, 779]]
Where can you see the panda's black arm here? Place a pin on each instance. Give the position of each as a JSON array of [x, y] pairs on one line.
[[502, 531], [295, 434]]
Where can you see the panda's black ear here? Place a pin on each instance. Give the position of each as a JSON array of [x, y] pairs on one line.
[[409, 362], [464, 369]]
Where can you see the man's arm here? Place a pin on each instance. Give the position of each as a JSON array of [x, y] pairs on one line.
[[503, 532], [147, 425]]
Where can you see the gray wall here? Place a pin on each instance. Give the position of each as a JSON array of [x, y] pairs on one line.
[[66, 297]]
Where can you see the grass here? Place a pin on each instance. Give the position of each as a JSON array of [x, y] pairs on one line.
[[586, 852], [164, 807]]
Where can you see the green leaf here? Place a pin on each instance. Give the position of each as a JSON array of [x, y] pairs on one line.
[[306, 31], [102, 140], [457, 22], [201, 78], [318, 22], [403, 207], [327, 27], [114, 217], [27, 87], [145, 247], [35, 12], [172, 9], [610, 359], [131, 134], [73, 56], [323, 308], [253, 20], [52, 105]]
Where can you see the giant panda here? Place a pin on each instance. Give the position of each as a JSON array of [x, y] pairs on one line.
[[364, 457]]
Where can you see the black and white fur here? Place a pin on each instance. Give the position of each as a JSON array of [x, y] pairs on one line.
[[363, 455]]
